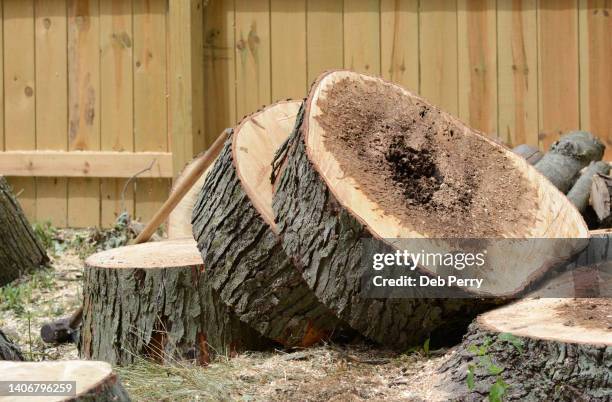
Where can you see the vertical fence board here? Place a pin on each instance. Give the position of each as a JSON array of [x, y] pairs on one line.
[[518, 71], [219, 67], [558, 69], [325, 37], [595, 69], [116, 105], [51, 105], [150, 105], [477, 63], [1, 76], [362, 36], [399, 38], [20, 91], [288, 48], [253, 89], [438, 49]]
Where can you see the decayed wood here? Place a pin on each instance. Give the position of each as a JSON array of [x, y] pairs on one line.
[[151, 300], [234, 226], [581, 190], [539, 353], [567, 156], [601, 196], [94, 380], [320, 230], [20, 249], [8, 350]]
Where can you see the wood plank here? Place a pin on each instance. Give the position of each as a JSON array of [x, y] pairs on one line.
[[288, 48], [477, 62], [559, 95], [595, 61], [438, 49], [88, 164], [51, 105], [399, 37], [362, 36], [116, 103], [20, 91], [219, 68], [253, 88], [150, 104], [325, 36], [517, 71]]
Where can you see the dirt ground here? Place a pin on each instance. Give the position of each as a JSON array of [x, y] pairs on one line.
[[324, 373]]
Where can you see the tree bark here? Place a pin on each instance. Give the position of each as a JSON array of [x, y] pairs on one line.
[[580, 192], [566, 157], [601, 198], [245, 261], [138, 309], [20, 249], [531, 154], [8, 350]]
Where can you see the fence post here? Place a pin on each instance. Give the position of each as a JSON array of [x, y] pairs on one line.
[[186, 81]]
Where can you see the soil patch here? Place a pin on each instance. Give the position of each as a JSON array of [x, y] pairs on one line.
[[587, 313], [420, 166]]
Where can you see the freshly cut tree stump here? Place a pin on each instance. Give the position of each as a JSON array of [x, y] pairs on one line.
[[151, 300], [567, 156], [370, 160], [233, 223], [20, 249], [95, 380], [542, 349], [8, 350]]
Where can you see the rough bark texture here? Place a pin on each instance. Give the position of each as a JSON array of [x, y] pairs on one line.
[[324, 240], [109, 390], [157, 313], [579, 194], [246, 263], [20, 249], [568, 156], [8, 350], [539, 370]]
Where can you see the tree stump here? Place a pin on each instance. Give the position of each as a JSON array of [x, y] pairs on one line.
[[20, 249], [234, 225], [151, 300], [370, 160], [541, 349], [95, 380], [8, 350]]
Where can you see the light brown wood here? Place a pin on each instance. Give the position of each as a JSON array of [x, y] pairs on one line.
[[84, 163]]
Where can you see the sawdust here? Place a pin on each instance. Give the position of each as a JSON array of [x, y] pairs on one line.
[[420, 166], [587, 313]]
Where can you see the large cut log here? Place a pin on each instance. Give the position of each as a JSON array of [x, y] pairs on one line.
[[8, 350], [536, 349], [88, 380], [581, 190], [370, 160], [233, 223], [20, 249], [151, 300], [567, 156]]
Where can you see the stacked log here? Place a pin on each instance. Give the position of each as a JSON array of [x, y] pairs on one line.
[[20, 249], [8, 350]]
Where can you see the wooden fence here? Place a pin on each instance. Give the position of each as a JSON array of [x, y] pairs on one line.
[[166, 76]]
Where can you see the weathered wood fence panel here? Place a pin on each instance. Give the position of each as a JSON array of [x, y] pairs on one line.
[[169, 75]]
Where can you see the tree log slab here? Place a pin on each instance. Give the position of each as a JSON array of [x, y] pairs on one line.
[[95, 380], [541, 349], [234, 226], [8, 350], [151, 300], [20, 249], [325, 208]]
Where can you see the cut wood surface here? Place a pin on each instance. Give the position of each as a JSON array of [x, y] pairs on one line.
[[233, 223], [335, 191], [94, 380], [151, 300], [544, 348], [20, 249], [8, 350]]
